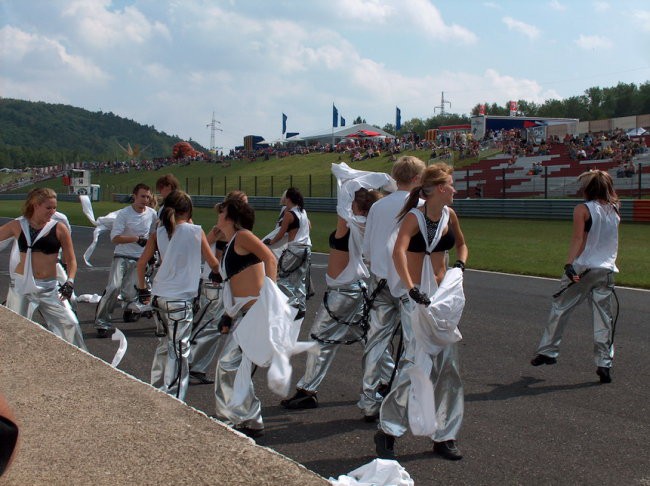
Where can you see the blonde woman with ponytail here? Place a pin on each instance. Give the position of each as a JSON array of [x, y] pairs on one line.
[[588, 273], [430, 351]]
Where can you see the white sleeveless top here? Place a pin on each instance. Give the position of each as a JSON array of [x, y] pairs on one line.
[[179, 274], [302, 236], [601, 247]]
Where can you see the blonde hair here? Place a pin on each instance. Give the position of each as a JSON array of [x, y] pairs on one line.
[[433, 176], [36, 196], [406, 168], [598, 185]]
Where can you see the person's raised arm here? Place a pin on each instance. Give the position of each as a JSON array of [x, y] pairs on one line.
[[69, 258], [287, 219], [577, 244], [408, 229], [462, 252], [208, 255], [10, 230], [147, 254]]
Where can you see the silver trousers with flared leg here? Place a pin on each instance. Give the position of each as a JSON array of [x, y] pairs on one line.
[[176, 316], [377, 363], [597, 286], [293, 267], [122, 279], [205, 329], [57, 314], [346, 304], [249, 413], [448, 395]]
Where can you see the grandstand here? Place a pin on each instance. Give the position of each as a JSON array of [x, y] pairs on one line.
[[503, 175]]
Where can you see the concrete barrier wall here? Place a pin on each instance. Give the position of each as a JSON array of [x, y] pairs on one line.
[[83, 422]]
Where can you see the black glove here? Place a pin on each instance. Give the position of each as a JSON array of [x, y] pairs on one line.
[[215, 277], [460, 264], [225, 323], [569, 271], [144, 295], [266, 241], [419, 297], [66, 290], [142, 241]]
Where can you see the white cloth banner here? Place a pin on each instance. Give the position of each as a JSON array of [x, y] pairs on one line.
[[119, 354], [102, 224], [268, 337], [379, 472]]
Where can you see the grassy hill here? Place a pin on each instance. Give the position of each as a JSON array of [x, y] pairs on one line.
[[34, 134], [310, 173]]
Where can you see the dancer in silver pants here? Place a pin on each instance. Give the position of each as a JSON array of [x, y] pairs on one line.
[[597, 286], [385, 315], [448, 395], [293, 267], [122, 279], [249, 414], [57, 314], [205, 330], [346, 303], [173, 351]]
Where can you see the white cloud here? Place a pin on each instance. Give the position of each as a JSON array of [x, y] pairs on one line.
[[601, 6], [642, 18], [429, 19], [103, 28], [593, 42], [555, 5], [371, 11], [43, 56], [528, 30]]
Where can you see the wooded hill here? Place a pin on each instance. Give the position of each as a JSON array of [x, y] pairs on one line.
[[34, 134]]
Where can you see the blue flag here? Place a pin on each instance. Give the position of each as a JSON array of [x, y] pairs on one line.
[[335, 116], [342, 121], [284, 123], [398, 118]]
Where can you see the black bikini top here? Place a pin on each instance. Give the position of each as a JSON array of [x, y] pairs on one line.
[[48, 244], [418, 245], [295, 224], [220, 245], [236, 263], [342, 243]]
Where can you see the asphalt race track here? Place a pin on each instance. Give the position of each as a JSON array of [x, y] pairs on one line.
[[523, 425]]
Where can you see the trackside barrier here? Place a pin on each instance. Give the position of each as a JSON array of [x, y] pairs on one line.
[[632, 210]]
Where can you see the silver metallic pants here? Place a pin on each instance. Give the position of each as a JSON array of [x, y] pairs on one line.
[[448, 395], [249, 413], [170, 368], [293, 267], [57, 315], [377, 362], [597, 286], [346, 304], [205, 329], [122, 278]]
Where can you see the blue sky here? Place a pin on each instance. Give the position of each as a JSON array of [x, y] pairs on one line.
[[171, 63]]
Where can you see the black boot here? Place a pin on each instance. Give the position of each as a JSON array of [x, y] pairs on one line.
[[384, 445], [301, 400]]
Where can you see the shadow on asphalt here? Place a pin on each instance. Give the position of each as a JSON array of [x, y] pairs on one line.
[[275, 429], [523, 387]]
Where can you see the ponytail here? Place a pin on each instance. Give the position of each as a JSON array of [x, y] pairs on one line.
[[411, 202], [168, 219]]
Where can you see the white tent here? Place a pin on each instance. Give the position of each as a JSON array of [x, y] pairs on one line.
[[635, 132]]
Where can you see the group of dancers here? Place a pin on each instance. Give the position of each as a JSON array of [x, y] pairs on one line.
[[232, 297]]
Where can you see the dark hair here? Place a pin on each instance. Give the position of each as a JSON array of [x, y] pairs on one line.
[[598, 185], [176, 203], [365, 199], [139, 186], [240, 213], [295, 196], [167, 180]]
